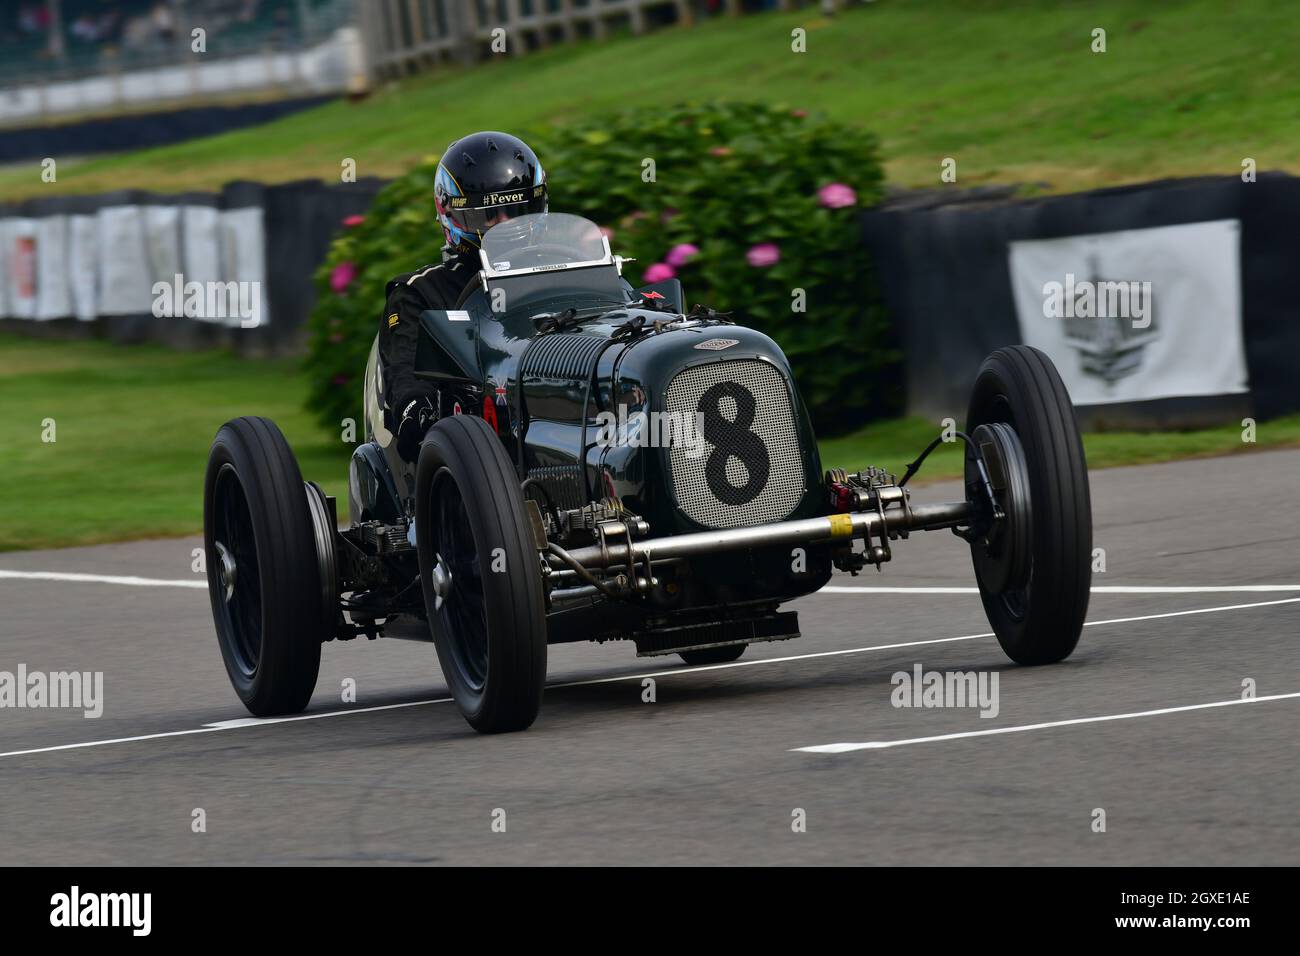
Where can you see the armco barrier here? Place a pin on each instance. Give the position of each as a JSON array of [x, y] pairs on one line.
[[961, 280]]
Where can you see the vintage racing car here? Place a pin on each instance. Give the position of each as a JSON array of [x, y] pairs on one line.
[[609, 465]]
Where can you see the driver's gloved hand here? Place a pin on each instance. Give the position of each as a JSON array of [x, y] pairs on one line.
[[417, 416]]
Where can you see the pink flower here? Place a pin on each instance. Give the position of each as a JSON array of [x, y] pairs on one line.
[[681, 254], [836, 196], [342, 277], [336, 337], [339, 380], [720, 150], [668, 215], [607, 232], [659, 272], [763, 255], [354, 221], [799, 114]]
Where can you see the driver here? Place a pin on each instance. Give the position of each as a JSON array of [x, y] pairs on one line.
[[482, 179]]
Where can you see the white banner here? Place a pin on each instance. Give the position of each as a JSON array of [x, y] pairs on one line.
[[124, 274], [107, 263], [83, 263], [162, 238], [240, 237], [53, 300], [201, 243], [1136, 315]]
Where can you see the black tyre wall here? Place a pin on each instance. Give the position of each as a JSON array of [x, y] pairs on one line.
[[513, 601], [1020, 386], [292, 623]]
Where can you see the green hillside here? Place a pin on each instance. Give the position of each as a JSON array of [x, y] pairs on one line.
[[1011, 90]]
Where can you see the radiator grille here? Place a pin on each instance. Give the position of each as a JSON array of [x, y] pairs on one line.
[[751, 469]]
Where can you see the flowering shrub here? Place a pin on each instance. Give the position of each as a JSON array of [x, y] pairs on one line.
[[752, 207], [763, 255]]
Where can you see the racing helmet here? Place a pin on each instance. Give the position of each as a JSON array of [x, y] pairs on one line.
[[483, 179]]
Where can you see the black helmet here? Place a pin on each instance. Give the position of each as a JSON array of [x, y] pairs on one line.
[[483, 179]]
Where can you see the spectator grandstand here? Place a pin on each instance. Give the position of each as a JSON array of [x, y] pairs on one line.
[[60, 57], [45, 40], [89, 57]]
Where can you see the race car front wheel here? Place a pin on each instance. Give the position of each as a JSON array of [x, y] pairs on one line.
[[481, 575], [1035, 578], [264, 579]]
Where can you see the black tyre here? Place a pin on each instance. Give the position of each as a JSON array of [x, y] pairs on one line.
[[713, 655], [1038, 619], [263, 569], [481, 575]]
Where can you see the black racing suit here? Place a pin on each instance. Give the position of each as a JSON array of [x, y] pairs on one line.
[[433, 287]]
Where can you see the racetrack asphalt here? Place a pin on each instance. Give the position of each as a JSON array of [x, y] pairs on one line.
[[709, 773]]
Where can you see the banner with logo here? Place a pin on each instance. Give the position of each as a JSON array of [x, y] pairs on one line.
[[18, 250], [1138, 314]]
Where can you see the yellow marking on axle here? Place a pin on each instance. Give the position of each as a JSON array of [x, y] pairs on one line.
[[841, 526]]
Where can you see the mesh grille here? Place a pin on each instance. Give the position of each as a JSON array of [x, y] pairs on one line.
[[751, 469]]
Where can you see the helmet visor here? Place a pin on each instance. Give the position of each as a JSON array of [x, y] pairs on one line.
[[477, 214]]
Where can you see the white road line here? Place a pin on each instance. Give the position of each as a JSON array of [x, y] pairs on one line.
[[242, 722], [890, 647], [886, 744], [1195, 610], [103, 579], [235, 724], [848, 589], [201, 584], [259, 721], [1099, 589]]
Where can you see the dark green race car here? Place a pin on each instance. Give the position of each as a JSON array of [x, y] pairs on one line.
[[610, 466]]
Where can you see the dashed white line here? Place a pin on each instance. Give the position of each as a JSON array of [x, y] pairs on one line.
[[1023, 728], [236, 724], [243, 722]]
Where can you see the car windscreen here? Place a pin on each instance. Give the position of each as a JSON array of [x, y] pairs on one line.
[[549, 262], [579, 289], [548, 240]]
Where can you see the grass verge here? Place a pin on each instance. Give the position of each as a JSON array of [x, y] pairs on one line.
[[132, 428]]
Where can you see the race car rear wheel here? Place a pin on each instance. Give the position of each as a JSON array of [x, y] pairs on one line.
[[264, 579], [481, 575], [1036, 607]]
